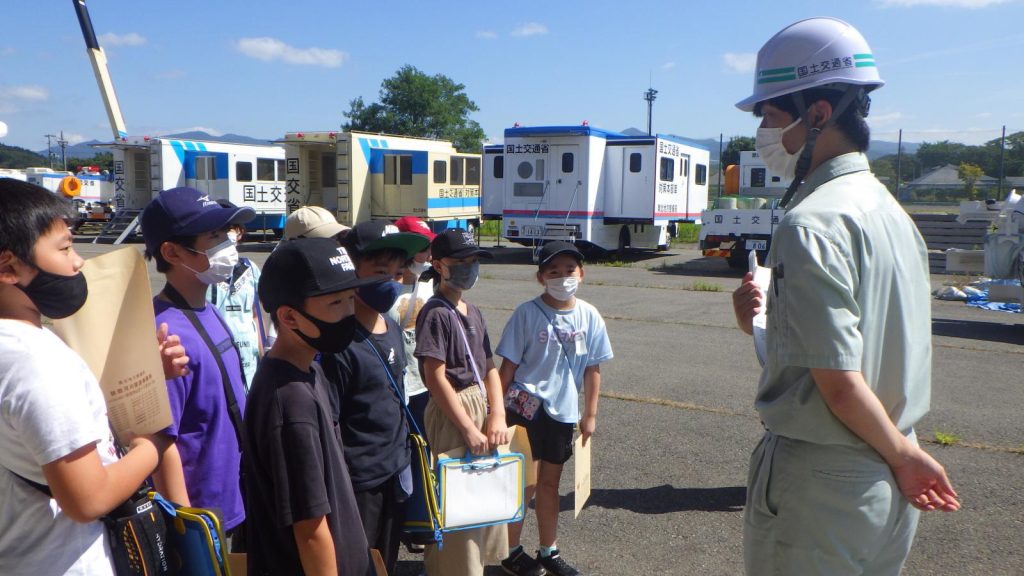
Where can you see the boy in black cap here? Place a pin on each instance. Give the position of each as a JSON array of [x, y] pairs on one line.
[[465, 409], [551, 345], [186, 233], [367, 386], [303, 511]]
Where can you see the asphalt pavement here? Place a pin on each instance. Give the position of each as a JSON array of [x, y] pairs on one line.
[[676, 423]]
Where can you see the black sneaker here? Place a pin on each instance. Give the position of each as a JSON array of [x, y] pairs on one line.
[[555, 566], [519, 563]]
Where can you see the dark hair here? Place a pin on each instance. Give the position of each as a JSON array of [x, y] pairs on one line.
[[163, 265], [27, 212], [392, 254], [851, 122]]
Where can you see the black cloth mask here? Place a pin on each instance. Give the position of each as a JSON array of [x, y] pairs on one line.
[[334, 337], [57, 296]]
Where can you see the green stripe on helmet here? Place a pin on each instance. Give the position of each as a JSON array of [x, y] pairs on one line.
[[863, 56], [777, 71], [865, 65], [776, 79]]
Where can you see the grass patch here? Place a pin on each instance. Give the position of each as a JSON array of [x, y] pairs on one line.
[[701, 286], [491, 228], [615, 264], [686, 233], [946, 439]]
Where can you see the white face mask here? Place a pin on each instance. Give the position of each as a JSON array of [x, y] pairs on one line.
[[418, 268], [223, 258], [562, 289], [775, 156], [233, 236]]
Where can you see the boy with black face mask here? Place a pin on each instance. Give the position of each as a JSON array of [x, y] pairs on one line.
[[303, 512], [53, 426], [186, 233], [465, 408], [367, 380]]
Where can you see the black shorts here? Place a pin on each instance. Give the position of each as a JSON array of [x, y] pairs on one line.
[[550, 440]]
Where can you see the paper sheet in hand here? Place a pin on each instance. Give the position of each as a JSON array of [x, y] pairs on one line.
[[115, 333], [581, 478], [763, 278]]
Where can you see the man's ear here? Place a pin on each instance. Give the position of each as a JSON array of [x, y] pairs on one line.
[[10, 267], [171, 252], [820, 112]]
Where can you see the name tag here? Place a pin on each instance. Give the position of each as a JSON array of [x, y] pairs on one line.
[[581, 343]]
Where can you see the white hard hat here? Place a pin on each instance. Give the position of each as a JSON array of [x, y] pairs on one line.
[[812, 53]]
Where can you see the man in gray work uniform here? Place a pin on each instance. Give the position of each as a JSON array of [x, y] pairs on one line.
[[837, 481]]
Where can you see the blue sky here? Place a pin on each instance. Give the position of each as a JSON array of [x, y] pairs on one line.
[[954, 68]]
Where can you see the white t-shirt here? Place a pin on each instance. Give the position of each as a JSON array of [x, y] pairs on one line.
[[417, 293], [50, 406]]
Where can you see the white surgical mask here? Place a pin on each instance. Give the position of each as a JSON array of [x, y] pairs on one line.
[[223, 258], [418, 268], [562, 289], [233, 236], [774, 155]]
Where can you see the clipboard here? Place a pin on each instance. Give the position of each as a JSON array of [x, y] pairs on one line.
[[763, 278]]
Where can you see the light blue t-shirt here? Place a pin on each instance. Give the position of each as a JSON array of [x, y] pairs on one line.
[[238, 303], [551, 359]]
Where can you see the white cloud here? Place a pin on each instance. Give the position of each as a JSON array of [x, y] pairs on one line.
[[971, 136], [272, 49], [971, 4], [129, 39], [207, 129], [25, 93], [73, 138], [740, 62], [9, 51], [668, 65], [983, 115], [486, 35], [887, 119], [530, 29]]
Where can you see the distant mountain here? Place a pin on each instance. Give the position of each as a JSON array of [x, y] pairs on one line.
[[86, 149], [15, 157]]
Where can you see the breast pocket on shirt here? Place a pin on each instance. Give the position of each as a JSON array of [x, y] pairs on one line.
[[777, 309]]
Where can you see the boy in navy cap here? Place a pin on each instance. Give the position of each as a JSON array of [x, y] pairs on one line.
[[367, 380], [304, 517], [465, 408], [550, 346], [186, 234]]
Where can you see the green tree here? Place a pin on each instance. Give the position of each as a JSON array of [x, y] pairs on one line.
[[15, 157], [970, 174], [884, 168], [415, 104], [935, 154], [737, 144]]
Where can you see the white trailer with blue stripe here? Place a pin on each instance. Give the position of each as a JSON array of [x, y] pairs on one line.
[[244, 174], [594, 187], [360, 176]]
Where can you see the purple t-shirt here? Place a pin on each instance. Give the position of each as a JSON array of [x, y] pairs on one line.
[[202, 423]]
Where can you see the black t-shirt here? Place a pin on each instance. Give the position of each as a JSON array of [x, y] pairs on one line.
[[296, 471], [438, 337], [366, 407]]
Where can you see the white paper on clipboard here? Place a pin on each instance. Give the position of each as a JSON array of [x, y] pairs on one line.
[[763, 278]]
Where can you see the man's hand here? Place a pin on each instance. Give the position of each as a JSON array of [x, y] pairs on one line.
[[924, 482], [747, 301], [496, 431], [172, 353], [587, 426]]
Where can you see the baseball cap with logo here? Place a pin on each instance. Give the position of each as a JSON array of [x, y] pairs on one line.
[[312, 222], [307, 267], [415, 225], [186, 212], [375, 235], [456, 243]]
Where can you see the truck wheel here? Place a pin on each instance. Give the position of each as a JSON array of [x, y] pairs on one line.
[[738, 259], [623, 249]]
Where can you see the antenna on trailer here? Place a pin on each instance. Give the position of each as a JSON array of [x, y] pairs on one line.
[[99, 68], [649, 96]]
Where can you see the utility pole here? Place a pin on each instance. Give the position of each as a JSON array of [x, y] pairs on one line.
[[649, 96], [899, 164], [49, 149], [63, 146], [1002, 152], [721, 167]]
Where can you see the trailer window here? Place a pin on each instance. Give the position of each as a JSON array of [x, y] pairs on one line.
[[397, 170], [456, 171], [405, 170], [265, 169], [472, 171], [440, 171], [528, 189], [757, 176], [635, 162], [280, 171], [328, 170], [540, 169], [525, 169], [702, 174], [243, 171], [668, 169], [499, 167], [568, 160], [684, 167]]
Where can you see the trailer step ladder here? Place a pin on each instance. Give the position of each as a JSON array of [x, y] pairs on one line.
[[121, 227]]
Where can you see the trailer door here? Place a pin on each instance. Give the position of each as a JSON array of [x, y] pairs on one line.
[[205, 174], [397, 195], [565, 183], [637, 190]]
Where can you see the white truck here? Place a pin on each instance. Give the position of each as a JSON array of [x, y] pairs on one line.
[[745, 217], [593, 187], [359, 176]]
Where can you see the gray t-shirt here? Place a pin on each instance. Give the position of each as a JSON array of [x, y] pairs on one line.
[[438, 337], [850, 291]]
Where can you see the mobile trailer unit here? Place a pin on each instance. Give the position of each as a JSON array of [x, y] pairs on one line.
[[594, 187], [244, 174], [359, 176]]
